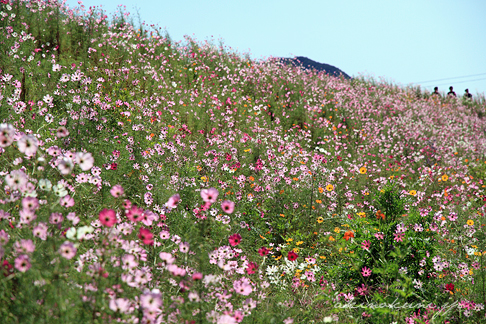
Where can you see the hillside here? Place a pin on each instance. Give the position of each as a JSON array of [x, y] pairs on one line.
[[146, 181], [307, 63]]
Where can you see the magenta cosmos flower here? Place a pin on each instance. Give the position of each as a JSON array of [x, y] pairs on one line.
[[292, 256], [228, 206], [252, 267], [263, 251], [209, 195], [146, 236], [135, 214], [107, 217], [235, 239]]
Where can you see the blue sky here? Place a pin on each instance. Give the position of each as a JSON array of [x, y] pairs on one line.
[[401, 41]]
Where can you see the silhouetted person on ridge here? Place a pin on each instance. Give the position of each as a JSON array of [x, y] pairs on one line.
[[436, 91], [467, 95], [451, 92]]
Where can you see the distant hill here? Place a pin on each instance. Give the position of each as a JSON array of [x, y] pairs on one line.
[[308, 63]]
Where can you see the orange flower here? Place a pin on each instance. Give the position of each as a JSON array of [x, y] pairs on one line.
[[380, 215], [348, 235]]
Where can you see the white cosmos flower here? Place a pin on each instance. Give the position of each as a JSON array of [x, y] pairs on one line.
[[45, 184], [59, 190]]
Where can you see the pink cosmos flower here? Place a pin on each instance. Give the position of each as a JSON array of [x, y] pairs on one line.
[[7, 133], [129, 262], [135, 214], [366, 245], [66, 201], [107, 217], [40, 231], [4, 237], [150, 300], [243, 286], [175, 270], [184, 247], [197, 276], [67, 250], [366, 272], [209, 195], [65, 165], [399, 236], [167, 257], [228, 206], [146, 236], [84, 160], [62, 132], [379, 236], [27, 216], [16, 179], [164, 235], [226, 319], [27, 145], [120, 304], [24, 246], [117, 191], [22, 263], [149, 217], [55, 218], [235, 239], [30, 203], [173, 201]]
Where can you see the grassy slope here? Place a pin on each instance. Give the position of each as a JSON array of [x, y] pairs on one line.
[[142, 94]]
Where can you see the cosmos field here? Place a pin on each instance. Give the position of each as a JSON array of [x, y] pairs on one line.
[[150, 181]]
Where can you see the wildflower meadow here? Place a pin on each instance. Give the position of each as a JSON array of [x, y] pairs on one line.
[[144, 180]]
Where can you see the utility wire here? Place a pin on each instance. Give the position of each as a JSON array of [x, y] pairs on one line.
[[459, 82], [466, 76]]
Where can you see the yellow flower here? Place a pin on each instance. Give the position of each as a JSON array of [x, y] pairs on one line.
[[445, 177], [362, 170], [329, 187], [337, 230], [322, 257], [299, 243], [296, 250], [361, 214], [470, 222], [413, 192], [290, 240], [320, 219]]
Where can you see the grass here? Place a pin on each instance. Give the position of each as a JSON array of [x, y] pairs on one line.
[[122, 153]]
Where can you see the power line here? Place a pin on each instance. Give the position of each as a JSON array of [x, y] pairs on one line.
[[466, 76], [460, 82]]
